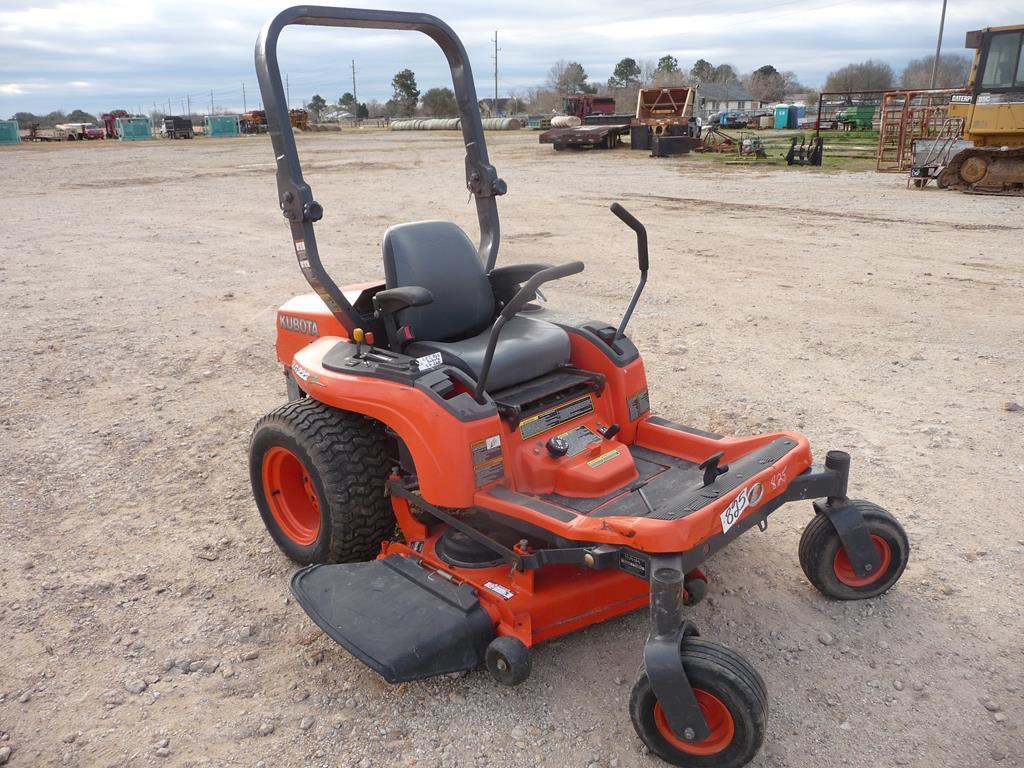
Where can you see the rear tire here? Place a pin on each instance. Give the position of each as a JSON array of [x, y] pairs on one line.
[[731, 695], [319, 477], [827, 567]]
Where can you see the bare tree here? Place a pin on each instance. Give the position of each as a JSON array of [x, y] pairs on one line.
[[869, 75], [952, 72]]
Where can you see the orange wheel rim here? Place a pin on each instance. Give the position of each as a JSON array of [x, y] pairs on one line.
[[844, 568], [719, 720], [291, 496]]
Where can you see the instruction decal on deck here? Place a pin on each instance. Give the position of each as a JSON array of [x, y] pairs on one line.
[[497, 589], [639, 404], [579, 438], [554, 417], [488, 465], [594, 463]]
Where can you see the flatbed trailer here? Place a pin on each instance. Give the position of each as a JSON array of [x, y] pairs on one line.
[[585, 136]]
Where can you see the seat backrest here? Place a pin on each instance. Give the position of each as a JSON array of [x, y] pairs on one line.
[[438, 256]]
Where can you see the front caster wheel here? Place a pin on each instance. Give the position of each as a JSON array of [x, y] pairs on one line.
[[828, 568], [732, 697], [508, 660]]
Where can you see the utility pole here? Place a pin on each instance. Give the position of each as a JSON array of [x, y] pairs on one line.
[[938, 45], [211, 101], [355, 96], [245, 108], [495, 57], [168, 106], [188, 101]]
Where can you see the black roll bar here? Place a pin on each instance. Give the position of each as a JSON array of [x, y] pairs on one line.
[[295, 196]]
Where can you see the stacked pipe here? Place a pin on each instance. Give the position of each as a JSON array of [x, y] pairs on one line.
[[454, 124], [432, 124], [565, 121]]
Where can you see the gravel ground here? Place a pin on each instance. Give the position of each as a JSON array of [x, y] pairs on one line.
[[144, 612]]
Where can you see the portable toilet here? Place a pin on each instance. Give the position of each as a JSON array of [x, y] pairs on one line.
[[795, 113], [222, 125], [134, 128], [9, 133], [782, 116]]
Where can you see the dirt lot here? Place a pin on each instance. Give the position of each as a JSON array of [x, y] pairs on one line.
[[144, 613]]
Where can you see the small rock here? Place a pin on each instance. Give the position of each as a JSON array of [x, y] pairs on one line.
[[306, 724], [196, 666], [365, 763], [70, 738], [250, 655], [918, 686], [227, 671], [112, 698], [826, 638], [136, 686], [5, 755], [300, 696], [163, 752], [245, 632], [25, 697], [998, 755], [897, 684], [1012, 407], [999, 717], [990, 705], [947, 590], [266, 729], [619, 679]]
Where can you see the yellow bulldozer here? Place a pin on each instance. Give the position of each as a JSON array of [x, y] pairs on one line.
[[992, 112]]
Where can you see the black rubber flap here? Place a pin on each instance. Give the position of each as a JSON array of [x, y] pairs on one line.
[[400, 619]]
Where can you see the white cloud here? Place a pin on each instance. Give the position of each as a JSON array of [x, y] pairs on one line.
[[140, 52]]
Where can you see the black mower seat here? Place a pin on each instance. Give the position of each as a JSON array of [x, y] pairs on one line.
[[438, 256], [526, 349]]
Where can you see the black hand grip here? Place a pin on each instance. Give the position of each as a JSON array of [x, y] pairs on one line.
[[633, 223], [529, 289]]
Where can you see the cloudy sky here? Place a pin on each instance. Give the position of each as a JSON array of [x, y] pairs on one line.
[[104, 54]]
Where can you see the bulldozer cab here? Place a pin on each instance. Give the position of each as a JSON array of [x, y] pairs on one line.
[[993, 110], [998, 59]]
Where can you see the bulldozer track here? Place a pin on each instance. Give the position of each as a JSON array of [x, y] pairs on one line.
[[986, 171]]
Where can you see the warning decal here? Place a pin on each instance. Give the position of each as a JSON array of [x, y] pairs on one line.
[[593, 463], [639, 404], [556, 416], [487, 463]]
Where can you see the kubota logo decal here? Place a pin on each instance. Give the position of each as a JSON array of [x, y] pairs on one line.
[[298, 325], [749, 498]]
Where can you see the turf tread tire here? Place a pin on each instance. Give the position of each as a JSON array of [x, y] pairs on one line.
[[819, 541], [348, 458], [706, 664]]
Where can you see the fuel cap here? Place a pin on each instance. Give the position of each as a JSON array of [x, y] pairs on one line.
[[557, 447]]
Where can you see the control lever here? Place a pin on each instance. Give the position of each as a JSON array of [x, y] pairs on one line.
[[509, 311], [711, 468], [642, 258]]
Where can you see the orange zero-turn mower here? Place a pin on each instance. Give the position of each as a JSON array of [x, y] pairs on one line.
[[464, 475]]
